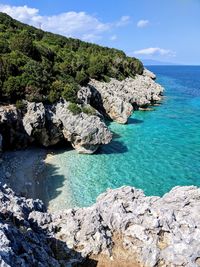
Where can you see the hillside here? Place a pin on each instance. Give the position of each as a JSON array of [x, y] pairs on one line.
[[40, 66]]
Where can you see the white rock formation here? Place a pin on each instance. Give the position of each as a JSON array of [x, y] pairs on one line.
[[122, 226], [157, 231], [117, 99]]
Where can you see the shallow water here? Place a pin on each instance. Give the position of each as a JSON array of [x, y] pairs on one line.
[[156, 151]]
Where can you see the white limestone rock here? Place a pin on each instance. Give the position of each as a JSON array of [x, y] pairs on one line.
[[117, 99]]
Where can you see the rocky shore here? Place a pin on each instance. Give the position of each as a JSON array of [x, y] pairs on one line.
[[49, 125], [123, 228]]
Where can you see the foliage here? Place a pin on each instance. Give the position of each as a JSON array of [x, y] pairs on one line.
[[20, 104], [82, 77], [41, 66], [74, 108], [89, 110], [70, 92]]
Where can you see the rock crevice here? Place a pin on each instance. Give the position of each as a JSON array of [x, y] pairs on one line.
[[123, 226]]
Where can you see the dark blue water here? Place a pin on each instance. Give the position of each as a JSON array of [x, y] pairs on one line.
[[156, 151]]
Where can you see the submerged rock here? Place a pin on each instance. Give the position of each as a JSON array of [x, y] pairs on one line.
[[122, 226]]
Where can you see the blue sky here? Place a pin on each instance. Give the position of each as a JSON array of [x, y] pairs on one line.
[[157, 29]]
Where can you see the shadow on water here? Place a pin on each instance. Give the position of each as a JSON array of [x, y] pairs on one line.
[[115, 135], [115, 147], [51, 183], [134, 121]]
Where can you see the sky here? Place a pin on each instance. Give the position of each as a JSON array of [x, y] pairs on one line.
[[164, 30]]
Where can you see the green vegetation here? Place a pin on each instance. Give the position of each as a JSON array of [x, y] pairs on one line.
[[41, 66], [74, 108], [20, 104], [89, 110]]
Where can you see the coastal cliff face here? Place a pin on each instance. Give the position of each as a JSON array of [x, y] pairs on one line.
[[50, 124], [117, 99], [123, 228]]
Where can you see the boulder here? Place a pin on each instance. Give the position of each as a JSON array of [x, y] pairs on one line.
[[85, 132], [49, 125], [39, 123]]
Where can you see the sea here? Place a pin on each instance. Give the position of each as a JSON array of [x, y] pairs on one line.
[[156, 151]]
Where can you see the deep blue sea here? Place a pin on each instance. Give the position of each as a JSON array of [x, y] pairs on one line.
[[156, 151]]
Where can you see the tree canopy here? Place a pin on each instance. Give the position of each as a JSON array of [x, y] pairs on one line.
[[42, 66]]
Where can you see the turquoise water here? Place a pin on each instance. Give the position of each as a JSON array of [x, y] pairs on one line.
[[156, 151]]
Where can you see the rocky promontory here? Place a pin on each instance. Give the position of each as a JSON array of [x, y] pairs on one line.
[[49, 125], [123, 228], [117, 99]]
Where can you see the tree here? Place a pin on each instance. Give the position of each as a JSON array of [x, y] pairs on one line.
[[13, 88], [55, 92], [82, 78], [46, 66], [23, 43], [70, 92], [4, 46]]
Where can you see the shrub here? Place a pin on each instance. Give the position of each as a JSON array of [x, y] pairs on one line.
[[13, 88], [74, 108], [82, 78], [53, 96], [23, 43], [55, 93], [89, 110], [70, 92], [20, 104], [4, 48]]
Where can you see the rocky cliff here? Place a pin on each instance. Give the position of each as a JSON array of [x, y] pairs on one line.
[[123, 228], [50, 124], [117, 99]]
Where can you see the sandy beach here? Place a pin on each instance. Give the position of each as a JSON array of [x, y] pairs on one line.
[[22, 171]]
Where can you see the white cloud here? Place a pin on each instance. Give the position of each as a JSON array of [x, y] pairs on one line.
[[124, 20], [113, 38], [22, 13], [142, 23], [151, 51], [73, 24]]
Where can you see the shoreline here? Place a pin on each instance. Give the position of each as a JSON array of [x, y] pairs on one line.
[[25, 170], [22, 171]]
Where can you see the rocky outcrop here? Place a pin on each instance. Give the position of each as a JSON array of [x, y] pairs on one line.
[[85, 132], [11, 128], [49, 125], [25, 239], [39, 126], [149, 74], [117, 99], [156, 231], [124, 225]]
